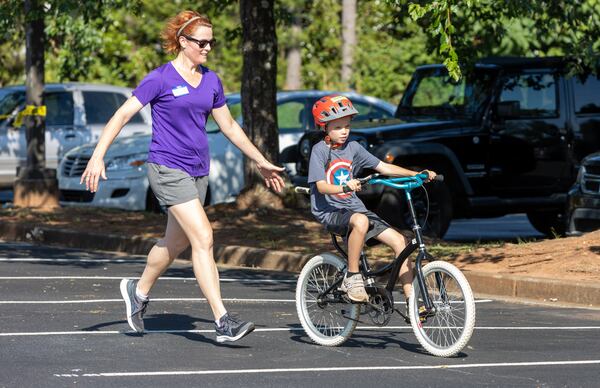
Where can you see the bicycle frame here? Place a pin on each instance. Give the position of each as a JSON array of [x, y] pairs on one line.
[[406, 184]]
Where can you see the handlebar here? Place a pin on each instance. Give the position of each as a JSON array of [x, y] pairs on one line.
[[404, 183]]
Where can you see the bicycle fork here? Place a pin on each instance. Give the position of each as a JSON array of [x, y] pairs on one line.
[[421, 255]]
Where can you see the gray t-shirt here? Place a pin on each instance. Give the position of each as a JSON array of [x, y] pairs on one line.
[[345, 163]]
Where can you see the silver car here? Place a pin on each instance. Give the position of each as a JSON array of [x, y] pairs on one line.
[[76, 115]]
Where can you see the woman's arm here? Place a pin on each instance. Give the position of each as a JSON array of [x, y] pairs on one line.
[[95, 167], [232, 130]]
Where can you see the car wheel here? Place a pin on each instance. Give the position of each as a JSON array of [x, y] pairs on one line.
[[393, 208], [549, 223], [152, 204]]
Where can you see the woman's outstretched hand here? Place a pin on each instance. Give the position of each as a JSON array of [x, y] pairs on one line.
[[93, 171], [271, 172]]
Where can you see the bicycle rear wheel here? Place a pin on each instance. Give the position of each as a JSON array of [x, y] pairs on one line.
[[446, 330], [331, 319]]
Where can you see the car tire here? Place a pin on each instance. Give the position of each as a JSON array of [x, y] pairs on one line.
[[393, 208], [549, 223]]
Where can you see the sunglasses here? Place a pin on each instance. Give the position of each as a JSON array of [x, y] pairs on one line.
[[203, 42]]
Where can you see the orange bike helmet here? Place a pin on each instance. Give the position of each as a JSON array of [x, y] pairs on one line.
[[330, 108]]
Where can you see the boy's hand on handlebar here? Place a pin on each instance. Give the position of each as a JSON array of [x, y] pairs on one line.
[[354, 185], [271, 172], [430, 175]]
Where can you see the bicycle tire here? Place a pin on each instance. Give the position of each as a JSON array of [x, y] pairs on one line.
[[328, 324], [447, 331]]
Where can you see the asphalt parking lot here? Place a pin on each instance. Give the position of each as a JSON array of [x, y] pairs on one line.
[[63, 324]]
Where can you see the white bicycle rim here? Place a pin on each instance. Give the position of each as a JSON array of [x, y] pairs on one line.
[[448, 331], [328, 324]]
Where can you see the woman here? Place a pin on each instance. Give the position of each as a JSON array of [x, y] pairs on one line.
[[182, 94]]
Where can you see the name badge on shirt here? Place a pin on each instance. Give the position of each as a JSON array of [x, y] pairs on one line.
[[180, 90]]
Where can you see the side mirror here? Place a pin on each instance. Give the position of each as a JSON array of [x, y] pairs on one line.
[[508, 109]]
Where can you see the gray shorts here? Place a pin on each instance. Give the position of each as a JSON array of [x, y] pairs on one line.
[[172, 186], [340, 222]]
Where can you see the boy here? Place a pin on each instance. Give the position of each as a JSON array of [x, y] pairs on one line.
[[333, 164]]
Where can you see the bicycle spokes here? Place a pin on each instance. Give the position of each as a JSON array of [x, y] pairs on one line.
[[325, 314], [447, 326]]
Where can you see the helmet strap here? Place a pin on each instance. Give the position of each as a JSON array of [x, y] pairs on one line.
[[330, 143]]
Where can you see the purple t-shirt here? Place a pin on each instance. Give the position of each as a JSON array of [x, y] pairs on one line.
[[179, 113]]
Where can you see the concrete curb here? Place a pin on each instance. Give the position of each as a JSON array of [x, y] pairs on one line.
[[507, 286]]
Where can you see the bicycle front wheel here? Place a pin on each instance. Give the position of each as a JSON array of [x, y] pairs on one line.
[[448, 327], [328, 319]]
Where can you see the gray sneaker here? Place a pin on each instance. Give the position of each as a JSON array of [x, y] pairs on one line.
[[232, 329], [354, 286], [136, 308]]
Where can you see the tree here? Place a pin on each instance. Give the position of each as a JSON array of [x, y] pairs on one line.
[[36, 186], [293, 78], [462, 32], [259, 82], [348, 40]]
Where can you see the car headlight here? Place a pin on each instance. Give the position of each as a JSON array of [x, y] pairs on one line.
[[305, 148], [126, 162], [580, 175]]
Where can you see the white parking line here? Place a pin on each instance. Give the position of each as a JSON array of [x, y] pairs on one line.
[[82, 301], [226, 280], [331, 369], [43, 260], [235, 300], [278, 329]]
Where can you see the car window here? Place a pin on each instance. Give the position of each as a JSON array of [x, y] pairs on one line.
[[535, 93], [363, 111], [9, 102], [59, 108], [137, 118], [290, 115], [439, 91], [587, 97], [378, 113], [101, 106], [236, 112]]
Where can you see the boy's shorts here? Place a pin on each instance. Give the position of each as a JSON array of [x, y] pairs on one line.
[[172, 186], [340, 222]]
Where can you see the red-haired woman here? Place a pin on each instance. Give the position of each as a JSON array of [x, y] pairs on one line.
[[182, 93]]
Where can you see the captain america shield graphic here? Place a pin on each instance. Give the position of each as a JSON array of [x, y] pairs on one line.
[[339, 173]]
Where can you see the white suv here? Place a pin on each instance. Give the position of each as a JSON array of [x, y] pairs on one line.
[[76, 115]]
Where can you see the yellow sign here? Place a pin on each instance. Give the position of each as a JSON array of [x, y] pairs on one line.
[[30, 110]]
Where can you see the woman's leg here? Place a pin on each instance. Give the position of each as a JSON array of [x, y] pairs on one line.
[[397, 242], [359, 225], [162, 254], [193, 221]]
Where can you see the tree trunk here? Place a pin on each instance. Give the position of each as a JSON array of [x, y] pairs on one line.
[[259, 88], [35, 185], [293, 79], [348, 40]]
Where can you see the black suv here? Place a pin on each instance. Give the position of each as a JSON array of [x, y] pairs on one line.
[[508, 137]]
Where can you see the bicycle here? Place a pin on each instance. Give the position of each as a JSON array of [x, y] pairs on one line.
[[441, 309]]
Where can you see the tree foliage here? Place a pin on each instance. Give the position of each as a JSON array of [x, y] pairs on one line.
[[463, 31], [98, 41], [118, 46]]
